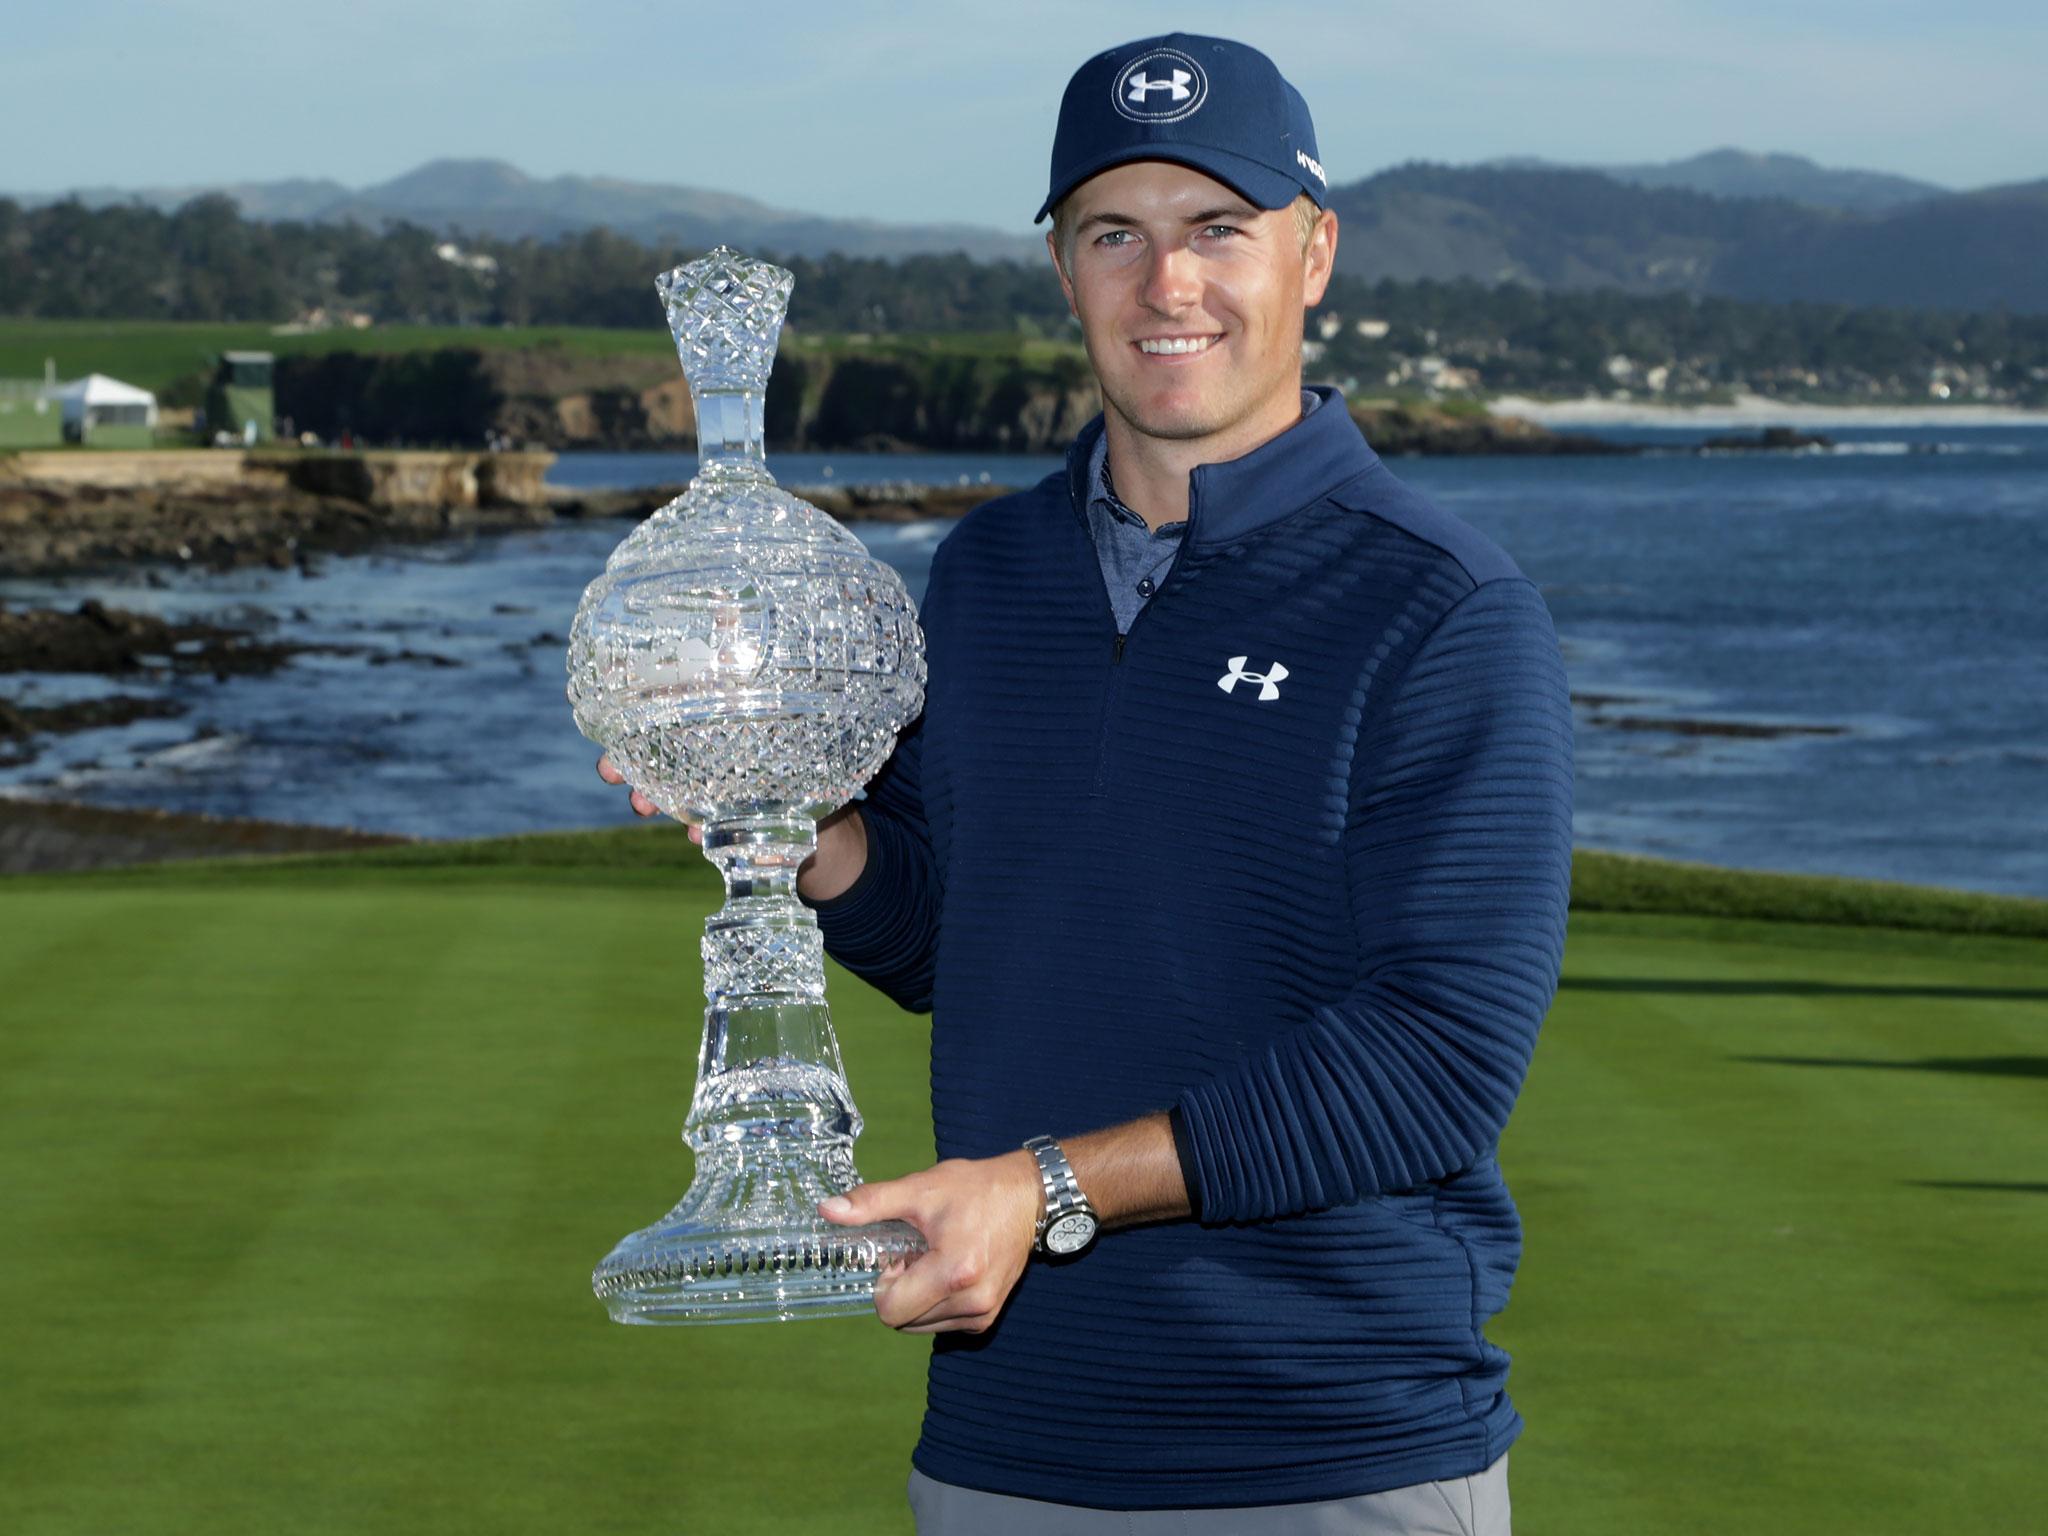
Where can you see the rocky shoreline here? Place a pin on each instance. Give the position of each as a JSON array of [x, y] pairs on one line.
[[884, 503], [99, 641], [50, 530]]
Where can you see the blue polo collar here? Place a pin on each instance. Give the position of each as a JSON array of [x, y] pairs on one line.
[[1321, 451]]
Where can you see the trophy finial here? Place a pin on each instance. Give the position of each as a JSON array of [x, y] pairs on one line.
[[725, 311]]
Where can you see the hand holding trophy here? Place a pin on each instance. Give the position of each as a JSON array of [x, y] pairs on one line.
[[745, 663]]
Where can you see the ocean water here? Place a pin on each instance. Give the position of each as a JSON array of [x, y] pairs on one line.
[[1885, 604]]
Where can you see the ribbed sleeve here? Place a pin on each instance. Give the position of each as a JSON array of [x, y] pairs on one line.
[[1458, 860], [885, 926]]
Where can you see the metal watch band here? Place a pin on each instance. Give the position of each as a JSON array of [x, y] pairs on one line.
[[1062, 1190]]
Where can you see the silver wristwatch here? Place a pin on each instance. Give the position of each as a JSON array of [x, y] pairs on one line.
[[1067, 1222]]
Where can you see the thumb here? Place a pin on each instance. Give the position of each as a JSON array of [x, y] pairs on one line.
[[864, 1203]]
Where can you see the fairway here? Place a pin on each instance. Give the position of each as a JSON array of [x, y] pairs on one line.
[[153, 354], [304, 1166]]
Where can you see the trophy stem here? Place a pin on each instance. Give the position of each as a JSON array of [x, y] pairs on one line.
[[772, 1122], [770, 1064], [731, 434]]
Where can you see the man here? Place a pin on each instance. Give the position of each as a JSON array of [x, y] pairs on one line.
[[1231, 857]]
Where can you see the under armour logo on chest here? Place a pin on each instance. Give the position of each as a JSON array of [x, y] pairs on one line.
[[1269, 682], [1176, 86]]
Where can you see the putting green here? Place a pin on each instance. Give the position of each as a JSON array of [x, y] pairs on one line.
[[304, 1165]]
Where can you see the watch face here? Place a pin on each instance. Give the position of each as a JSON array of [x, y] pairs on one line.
[[1070, 1234]]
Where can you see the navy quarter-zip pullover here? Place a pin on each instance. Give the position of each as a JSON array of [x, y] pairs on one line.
[[1322, 788]]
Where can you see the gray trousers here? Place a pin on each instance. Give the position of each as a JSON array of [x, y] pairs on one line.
[[1452, 1506]]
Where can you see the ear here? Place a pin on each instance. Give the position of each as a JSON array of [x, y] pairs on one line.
[[1320, 259], [1066, 283]]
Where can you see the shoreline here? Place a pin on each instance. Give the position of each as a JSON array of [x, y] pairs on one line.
[[39, 836], [1752, 410]]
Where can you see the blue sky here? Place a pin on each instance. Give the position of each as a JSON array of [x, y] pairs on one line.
[[926, 111]]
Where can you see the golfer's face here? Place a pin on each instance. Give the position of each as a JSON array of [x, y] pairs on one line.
[[1190, 299]]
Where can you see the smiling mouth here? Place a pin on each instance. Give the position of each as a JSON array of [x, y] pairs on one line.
[[1177, 346]]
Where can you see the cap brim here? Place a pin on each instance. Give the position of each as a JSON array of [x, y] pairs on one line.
[[1261, 184]]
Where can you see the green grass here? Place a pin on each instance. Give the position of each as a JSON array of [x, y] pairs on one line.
[[306, 1162], [154, 354]]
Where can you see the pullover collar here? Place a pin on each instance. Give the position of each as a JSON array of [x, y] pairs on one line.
[[1226, 501]]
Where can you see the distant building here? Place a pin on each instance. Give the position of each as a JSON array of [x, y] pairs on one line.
[[105, 413], [241, 400]]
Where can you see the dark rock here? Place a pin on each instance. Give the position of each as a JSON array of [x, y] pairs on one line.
[[21, 723], [425, 658], [1770, 438], [96, 638], [1395, 430]]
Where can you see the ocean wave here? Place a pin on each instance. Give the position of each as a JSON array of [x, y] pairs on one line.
[[1890, 446]]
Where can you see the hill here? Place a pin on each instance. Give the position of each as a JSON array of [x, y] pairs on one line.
[[1741, 173], [1584, 229], [491, 197], [1721, 225]]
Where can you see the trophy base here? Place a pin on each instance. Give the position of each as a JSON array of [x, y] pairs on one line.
[[687, 1273]]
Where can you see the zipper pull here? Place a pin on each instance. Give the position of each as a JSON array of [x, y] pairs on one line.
[[1118, 653]]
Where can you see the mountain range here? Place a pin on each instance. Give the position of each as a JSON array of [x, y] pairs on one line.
[[1739, 173], [489, 197], [1726, 223], [1577, 229]]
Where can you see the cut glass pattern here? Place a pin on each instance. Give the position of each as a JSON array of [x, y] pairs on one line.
[[746, 664]]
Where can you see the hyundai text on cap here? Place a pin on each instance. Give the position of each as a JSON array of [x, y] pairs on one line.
[[1215, 105]]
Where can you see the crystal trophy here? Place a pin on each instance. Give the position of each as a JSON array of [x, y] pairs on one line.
[[746, 664]]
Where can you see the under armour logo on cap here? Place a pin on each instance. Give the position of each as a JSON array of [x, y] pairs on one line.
[[1181, 82], [1178, 85], [1210, 104], [1269, 682]]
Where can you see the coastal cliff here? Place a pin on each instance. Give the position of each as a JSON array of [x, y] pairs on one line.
[[880, 399], [72, 511], [995, 402]]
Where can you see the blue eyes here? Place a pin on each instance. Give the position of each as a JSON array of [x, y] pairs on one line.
[[1226, 229]]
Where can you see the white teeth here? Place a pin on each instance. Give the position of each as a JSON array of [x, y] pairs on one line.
[[1177, 344]]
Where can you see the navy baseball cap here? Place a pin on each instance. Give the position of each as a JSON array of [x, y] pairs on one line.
[[1206, 102]]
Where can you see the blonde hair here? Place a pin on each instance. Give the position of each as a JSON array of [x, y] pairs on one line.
[[1064, 214]]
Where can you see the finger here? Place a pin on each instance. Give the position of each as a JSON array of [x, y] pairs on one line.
[[886, 1200], [931, 1290], [607, 772], [641, 803], [959, 1308], [976, 1324]]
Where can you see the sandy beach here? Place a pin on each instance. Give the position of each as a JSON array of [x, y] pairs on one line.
[[1757, 411]]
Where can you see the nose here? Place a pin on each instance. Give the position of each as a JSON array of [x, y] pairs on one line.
[[1171, 282]]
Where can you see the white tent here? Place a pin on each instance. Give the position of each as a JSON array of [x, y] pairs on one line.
[[98, 401]]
